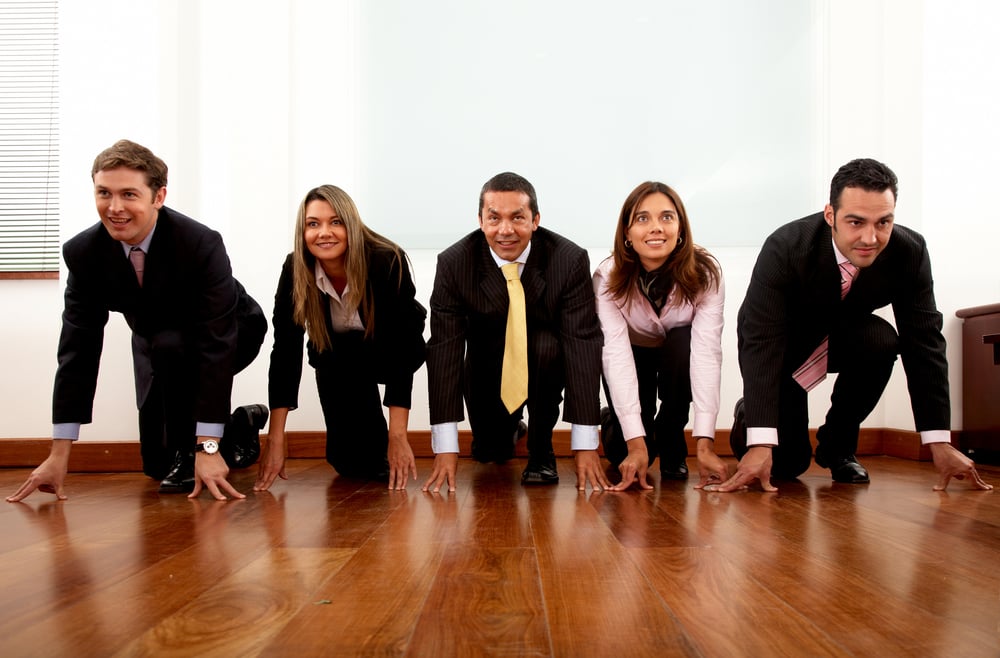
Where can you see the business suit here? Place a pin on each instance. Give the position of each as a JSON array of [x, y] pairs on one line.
[[465, 352], [193, 327], [348, 374], [793, 302]]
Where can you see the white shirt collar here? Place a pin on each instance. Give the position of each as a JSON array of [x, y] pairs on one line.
[[521, 260]]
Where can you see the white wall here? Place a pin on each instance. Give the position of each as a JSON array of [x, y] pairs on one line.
[[252, 103]]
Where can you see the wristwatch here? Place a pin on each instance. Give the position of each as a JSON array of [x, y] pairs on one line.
[[209, 447]]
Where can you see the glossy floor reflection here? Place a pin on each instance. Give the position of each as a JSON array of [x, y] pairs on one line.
[[327, 566]]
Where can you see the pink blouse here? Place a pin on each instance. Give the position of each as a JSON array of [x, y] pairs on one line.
[[636, 323]]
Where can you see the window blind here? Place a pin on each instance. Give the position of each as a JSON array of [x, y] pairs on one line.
[[29, 136]]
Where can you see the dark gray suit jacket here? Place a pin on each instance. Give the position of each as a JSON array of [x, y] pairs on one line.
[[793, 302], [188, 293], [469, 319]]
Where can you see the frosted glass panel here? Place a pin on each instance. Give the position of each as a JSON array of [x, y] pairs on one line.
[[586, 100]]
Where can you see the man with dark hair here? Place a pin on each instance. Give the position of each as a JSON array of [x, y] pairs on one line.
[[513, 324], [809, 310], [193, 327]]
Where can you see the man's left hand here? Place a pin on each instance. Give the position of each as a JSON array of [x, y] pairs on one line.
[[950, 463]]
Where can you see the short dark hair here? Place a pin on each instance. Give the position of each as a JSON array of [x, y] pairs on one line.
[[130, 155], [510, 182], [870, 175]]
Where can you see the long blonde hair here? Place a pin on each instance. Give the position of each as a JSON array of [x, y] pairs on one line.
[[310, 309]]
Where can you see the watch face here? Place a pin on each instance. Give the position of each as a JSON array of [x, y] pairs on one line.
[[210, 447]]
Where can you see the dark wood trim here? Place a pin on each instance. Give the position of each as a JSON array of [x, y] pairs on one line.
[[28, 275], [110, 457]]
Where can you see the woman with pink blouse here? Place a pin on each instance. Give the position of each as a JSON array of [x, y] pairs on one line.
[[660, 300]]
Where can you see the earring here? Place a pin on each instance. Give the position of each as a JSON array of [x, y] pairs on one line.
[[680, 240], [628, 244]]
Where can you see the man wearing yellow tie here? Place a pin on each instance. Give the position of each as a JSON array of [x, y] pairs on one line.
[[513, 326]]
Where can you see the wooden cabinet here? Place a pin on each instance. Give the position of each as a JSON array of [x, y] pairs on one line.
[[980, 436]]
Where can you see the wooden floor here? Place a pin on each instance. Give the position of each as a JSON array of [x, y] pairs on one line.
[[327, 566]]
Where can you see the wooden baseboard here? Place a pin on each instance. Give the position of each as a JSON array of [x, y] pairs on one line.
[[110, 457]]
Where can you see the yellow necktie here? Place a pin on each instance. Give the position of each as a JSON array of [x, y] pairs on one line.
[[514, 379]]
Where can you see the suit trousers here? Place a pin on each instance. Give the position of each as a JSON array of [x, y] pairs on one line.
[[863, 355], [494, 428], [166, 417], [357, 436], [664, 373]]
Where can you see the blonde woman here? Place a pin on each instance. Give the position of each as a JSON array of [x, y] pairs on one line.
[[350, 291]]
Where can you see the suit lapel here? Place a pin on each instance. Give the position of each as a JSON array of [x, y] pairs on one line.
[[492, 284], [532, 279]]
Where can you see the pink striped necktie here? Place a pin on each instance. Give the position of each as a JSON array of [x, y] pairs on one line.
[[813, 371], [138, 258]]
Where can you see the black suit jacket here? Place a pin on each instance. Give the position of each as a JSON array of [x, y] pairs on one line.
[[469, 319], [793, 302], [395, 348], [188, 293]]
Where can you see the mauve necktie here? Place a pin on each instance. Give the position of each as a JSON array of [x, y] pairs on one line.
[[138, 258], [813, 371]]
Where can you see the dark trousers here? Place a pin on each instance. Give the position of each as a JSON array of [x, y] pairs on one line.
[[493, 427], [664, 373], [166, 414], [863, 356], [357, 437]]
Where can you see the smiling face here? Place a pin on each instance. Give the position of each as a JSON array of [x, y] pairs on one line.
[[325, 235], [862, 223], [128, 207], [653, 230], [507, 221]]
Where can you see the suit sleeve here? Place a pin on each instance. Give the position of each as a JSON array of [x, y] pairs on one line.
[[446, 347], [763, 334], [215, 330], [285, 369], [922, 347], [81, 341], [582, 341], [405, 345]]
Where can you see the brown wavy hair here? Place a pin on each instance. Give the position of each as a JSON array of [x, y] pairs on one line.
[[310, 308], [693, 269], [130, 155]]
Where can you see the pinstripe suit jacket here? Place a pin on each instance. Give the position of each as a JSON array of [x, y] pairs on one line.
[[793, 302], [469, 317]]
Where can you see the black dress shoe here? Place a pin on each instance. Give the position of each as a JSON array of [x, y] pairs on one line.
[[675, 471], [540, 474], [180, 478], [738, 435], [845, 469], [240, 446]]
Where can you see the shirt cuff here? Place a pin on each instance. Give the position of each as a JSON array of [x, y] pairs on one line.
[[762, 436], [935, 436], [214, 430], [632, 426], [444, 438], [704, 424], [583, 437], [69, 431]]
